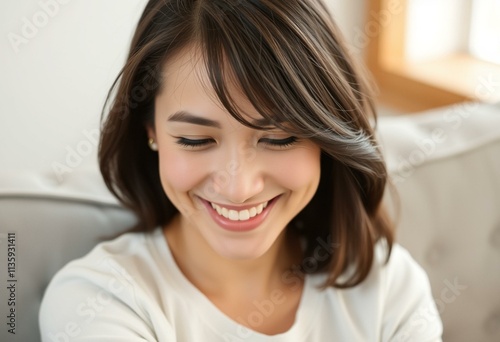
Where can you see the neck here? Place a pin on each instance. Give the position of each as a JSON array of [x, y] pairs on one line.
[[220, 277]]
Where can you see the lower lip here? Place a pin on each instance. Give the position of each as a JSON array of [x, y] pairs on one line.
[[240, 226]]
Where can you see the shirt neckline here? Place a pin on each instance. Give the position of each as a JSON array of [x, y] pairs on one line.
[[209, 313]]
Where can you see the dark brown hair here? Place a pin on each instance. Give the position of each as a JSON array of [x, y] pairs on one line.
[[288, 58]]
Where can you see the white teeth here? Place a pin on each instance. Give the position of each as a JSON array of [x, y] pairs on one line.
[[233, 215], [252, 211], [242, 215], [260, 207]]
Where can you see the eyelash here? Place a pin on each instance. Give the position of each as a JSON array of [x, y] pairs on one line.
[[279, 143], [193, 143]]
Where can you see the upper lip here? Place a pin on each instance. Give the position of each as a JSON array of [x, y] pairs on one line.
[[239, 207]]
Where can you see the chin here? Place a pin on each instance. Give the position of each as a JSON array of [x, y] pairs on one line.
[[241, 250]]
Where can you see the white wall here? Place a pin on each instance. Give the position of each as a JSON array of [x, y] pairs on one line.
[[54, 81], [57, 60]]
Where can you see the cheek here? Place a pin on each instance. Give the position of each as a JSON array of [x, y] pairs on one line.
[[180, 172], [300, 169]]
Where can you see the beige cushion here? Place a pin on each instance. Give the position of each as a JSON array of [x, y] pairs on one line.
[[445, 166]]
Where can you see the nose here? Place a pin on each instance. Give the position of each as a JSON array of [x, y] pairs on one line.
[[240, 176]]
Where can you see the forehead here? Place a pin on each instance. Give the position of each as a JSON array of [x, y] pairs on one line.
[[181, 66], [186, 82]]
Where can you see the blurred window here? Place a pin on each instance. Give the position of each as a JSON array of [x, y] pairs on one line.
[[484, 41], [432, 53]]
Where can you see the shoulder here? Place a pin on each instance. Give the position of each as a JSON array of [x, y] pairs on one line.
[[104, 260], [394, 303], [408, 311], [392, 272], [116, 260], [101, 291], [399, 269]]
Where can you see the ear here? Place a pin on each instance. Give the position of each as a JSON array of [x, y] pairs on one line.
[[151, 131]]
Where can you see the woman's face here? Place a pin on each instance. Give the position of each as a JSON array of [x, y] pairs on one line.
[[234, 186]]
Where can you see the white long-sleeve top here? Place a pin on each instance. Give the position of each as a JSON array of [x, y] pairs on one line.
[[131, 289]]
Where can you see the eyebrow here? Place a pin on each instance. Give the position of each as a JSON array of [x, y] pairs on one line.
[[184, 116]]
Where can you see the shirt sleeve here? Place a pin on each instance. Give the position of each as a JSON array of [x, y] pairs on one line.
[[410, 312], [97, 301]]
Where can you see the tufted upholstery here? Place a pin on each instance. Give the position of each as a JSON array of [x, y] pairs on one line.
[[449, 199]]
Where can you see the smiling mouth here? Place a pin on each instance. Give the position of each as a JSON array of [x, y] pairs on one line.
[[239, 215]]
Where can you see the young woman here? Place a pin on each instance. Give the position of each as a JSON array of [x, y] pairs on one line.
[[240, 135]]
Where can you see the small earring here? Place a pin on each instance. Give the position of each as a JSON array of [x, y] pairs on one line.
[[152, 145]]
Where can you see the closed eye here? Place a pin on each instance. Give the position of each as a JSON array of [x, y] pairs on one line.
[[277, 143], [281, 143], [193, 143]]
